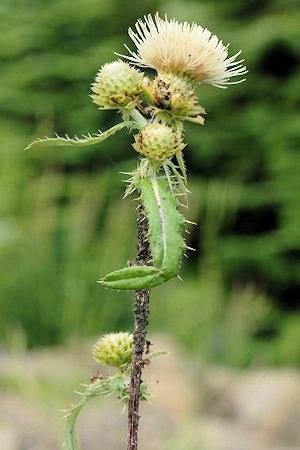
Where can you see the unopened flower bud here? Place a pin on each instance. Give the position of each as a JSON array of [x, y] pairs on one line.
[[114, 349], [175, 95], [157, 142], [117, 85]]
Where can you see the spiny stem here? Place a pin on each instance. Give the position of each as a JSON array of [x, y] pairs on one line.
[[141, 312]]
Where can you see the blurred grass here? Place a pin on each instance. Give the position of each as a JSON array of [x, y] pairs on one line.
[[63, 225]]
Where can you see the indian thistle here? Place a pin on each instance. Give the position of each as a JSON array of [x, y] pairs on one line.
[[183, 56]]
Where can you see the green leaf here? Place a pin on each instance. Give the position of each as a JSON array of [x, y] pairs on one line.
[[59, 141]]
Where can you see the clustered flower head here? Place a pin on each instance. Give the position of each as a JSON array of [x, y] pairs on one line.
[[183, 55], [114, 349]]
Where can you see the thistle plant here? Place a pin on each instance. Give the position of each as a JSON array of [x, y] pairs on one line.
[[183, 57]]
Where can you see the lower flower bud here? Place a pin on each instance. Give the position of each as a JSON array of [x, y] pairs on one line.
[[114, 349], [157, 142]]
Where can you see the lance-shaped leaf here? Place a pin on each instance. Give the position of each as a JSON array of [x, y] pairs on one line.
[[167, 245], [59, 141]]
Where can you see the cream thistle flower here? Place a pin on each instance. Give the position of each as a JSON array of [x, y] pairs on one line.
[[184, 49]]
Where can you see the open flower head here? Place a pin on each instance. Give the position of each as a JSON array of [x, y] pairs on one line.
[[183, 48]]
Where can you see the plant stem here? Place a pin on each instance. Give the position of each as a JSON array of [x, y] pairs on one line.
[[139, 118], [141, 312]]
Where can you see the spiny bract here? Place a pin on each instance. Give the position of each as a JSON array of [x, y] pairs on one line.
[[117, 85], [157, 142], [175, 95], [114, 349]]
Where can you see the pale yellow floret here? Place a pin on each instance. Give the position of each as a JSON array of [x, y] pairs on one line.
[[183, 48]]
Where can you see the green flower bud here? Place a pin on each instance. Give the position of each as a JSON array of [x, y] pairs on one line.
[[117, 85], [175, 96], [114, 349], [157, 142]]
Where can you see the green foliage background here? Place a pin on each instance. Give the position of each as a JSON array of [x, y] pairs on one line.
[[63, 224]]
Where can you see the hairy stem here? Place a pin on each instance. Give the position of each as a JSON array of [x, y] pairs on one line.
[[141, 312]]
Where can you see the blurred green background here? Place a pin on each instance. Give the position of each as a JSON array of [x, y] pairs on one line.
[[62, 221]]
